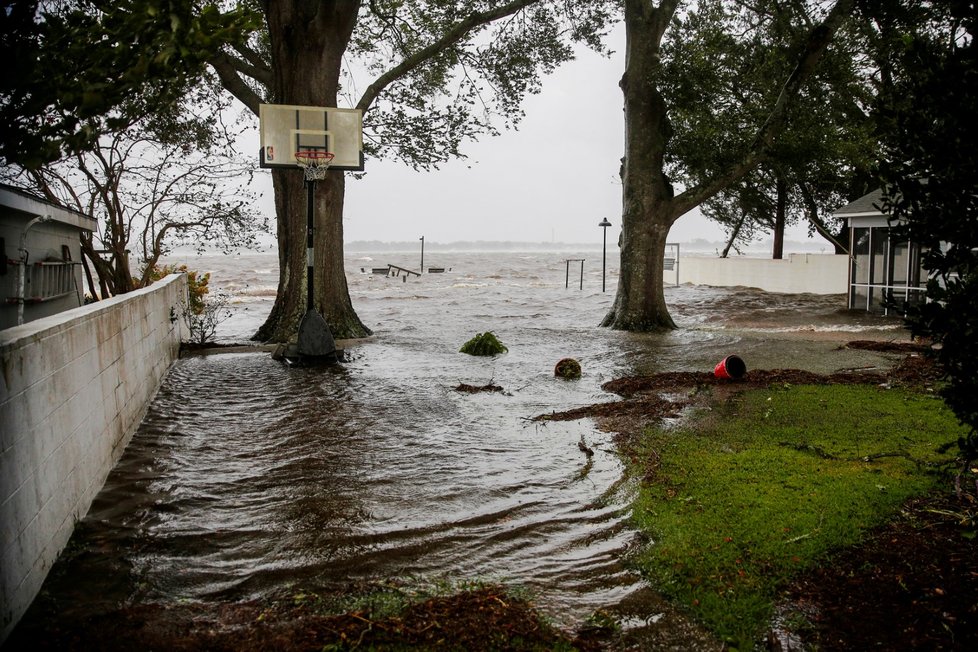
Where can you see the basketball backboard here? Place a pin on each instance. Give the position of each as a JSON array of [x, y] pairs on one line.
[[286, 129]]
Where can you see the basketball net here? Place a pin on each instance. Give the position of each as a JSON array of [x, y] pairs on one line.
[[314, 163]]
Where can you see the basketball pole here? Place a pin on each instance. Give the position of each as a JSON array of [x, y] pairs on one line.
[[315, 342], [310, 255]]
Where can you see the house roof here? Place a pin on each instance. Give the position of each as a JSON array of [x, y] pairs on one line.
[[22, 201], [865, 206]]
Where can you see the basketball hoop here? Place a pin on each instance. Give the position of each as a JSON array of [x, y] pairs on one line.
[[314, 163]]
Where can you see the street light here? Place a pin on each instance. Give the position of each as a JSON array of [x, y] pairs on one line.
[[604, 246], [422, 253]]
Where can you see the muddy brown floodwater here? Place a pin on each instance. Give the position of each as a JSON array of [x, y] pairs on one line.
[[249, 481]]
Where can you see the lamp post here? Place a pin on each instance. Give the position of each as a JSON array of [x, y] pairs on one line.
[[604, 246], [422, 254]]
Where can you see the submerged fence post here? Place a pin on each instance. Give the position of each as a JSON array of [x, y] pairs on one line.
[[567, 262]]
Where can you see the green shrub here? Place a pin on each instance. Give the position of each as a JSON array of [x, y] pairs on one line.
[[484, 344], [204, 311]]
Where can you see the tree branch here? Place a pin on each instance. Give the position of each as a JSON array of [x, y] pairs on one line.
[[258, 68], [818, 40], [450, 38], [228, 72]]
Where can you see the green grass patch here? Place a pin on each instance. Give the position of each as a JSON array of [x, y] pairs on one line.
[[756, 490]]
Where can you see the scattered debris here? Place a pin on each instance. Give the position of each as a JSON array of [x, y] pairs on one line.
[[476, 389], [568, 368], [587, 450]]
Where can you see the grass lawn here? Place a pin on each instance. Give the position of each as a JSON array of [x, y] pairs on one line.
[[744, 496]]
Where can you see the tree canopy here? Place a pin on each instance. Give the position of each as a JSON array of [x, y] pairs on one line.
[[90, 67], [929, 171], [727, 63]]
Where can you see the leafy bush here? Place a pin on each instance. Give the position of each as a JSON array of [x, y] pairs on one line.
[[202, 313], [928, 176], [197, 284], [486, 344]]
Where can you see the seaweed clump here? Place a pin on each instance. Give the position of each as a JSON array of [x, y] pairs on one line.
[[485, 344]]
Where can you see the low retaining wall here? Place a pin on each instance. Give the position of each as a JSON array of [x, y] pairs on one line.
[[73, 389], [798, 273]]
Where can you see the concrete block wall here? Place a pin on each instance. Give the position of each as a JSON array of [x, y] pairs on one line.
[[798, 273], [73, 389]]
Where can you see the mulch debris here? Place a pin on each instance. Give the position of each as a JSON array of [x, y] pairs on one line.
[[477, 389], [482, 619], [911, 585]]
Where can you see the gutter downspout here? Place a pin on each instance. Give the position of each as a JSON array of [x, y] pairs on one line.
[[22, 276]]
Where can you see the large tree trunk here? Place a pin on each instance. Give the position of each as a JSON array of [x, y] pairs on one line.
[[647, 210], [332, 292], [307, 39]]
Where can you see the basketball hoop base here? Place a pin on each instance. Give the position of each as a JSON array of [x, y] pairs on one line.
[[315, 346]]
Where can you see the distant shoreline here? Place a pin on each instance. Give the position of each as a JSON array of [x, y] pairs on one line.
[[698, 247]]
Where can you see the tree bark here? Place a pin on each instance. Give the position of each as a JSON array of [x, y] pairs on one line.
[[820, 227], [733, 235], [307, 40], [647, 212]]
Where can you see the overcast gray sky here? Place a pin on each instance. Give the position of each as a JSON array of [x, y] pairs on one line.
[[552, 180]]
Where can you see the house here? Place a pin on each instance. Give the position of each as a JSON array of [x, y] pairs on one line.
[[885, 274], [40, 257]]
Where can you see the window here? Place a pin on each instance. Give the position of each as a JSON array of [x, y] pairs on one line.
[[884, 272]]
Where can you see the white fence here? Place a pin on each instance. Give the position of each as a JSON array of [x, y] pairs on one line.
[[796, 274]]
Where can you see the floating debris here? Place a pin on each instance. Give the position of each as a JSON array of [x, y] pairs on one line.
[[486, 344], [476, 389], [568, 368]]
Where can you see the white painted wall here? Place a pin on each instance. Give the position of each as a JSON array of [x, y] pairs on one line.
[[796, 274], [73, 389]]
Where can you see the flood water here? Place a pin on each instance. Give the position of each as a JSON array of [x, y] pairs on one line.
[[247, 478]]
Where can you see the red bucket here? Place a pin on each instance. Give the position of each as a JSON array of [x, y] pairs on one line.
[[731, 367]]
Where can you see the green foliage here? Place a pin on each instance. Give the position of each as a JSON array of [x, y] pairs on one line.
[[198, 285], [747, 496], [726, 67], [928, 175], [203, 312], [92, 67], [459, 84], [484, 344]]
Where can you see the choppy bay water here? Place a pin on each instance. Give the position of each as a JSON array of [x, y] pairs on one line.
[[247, 478]]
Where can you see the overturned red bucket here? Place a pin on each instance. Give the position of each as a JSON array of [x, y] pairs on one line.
[[731, 367]]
